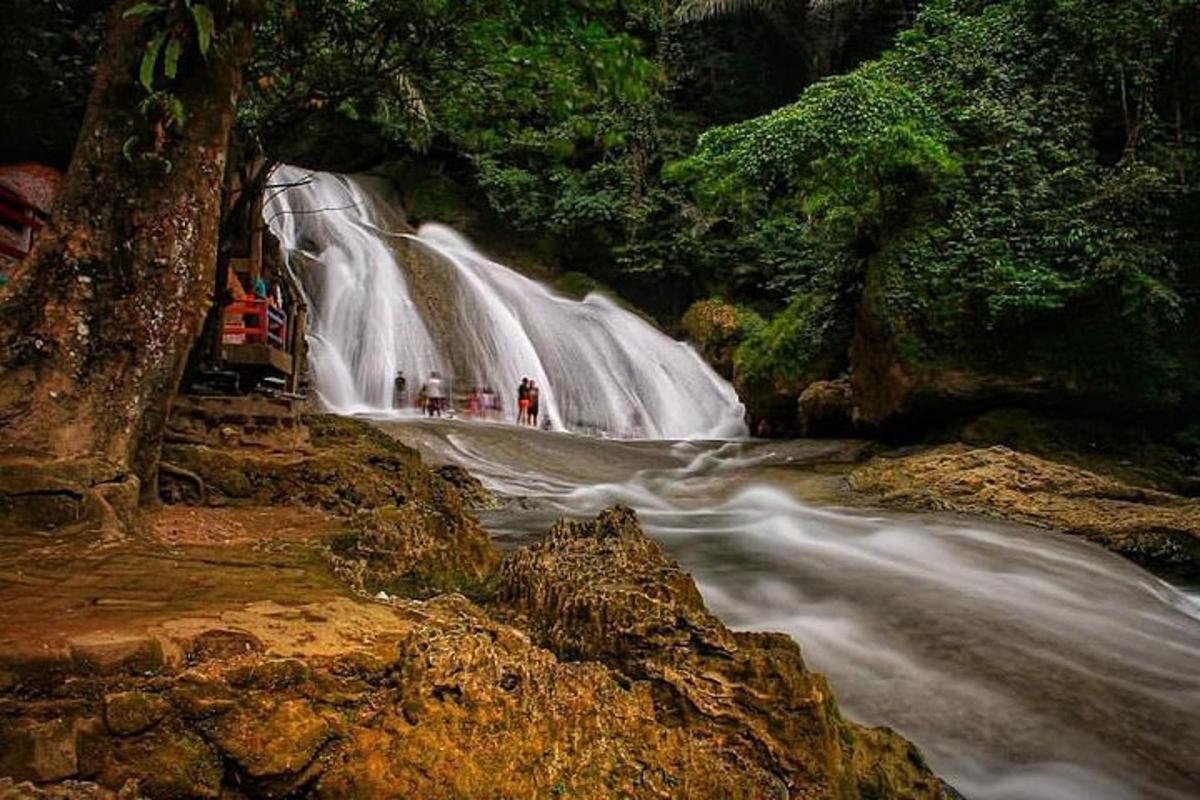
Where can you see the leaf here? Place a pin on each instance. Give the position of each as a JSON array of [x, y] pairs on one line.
[[202, 14], [149, 59], [141, 10], [171, 59], [177, 111]]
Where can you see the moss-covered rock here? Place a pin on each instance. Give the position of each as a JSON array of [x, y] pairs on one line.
[[415, 551], [272, 741], [717, 328], [411, 530], [170, 762], [127, 713]]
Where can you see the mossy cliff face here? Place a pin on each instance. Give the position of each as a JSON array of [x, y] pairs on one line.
[[237, 664]]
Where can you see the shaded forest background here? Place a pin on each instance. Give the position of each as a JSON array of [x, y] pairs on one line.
[[909, 210]]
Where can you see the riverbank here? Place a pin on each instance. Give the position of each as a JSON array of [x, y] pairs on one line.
[[326, 618]]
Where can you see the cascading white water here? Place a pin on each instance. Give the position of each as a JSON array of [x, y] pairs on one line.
[[363, 325], [600, 368]]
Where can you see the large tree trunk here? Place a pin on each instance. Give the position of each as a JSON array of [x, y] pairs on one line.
[[96, 327]]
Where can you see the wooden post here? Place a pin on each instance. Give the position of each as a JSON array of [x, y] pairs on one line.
[[256, 239], [299, 343]]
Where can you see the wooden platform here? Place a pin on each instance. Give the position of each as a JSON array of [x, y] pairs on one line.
[[258, 355]]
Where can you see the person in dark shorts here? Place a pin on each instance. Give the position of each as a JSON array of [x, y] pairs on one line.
[[436, 405], [533, 395], [400, 395]]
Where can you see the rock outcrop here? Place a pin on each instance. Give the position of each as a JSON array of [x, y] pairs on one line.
[[436, 699], [603, 591], [1161, 531], [826, 409], [410, 529]]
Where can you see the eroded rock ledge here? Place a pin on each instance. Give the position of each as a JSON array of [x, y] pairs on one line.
[[587, 665], [1158, 530]]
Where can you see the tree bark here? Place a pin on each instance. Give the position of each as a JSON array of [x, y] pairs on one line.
[[97, 325]]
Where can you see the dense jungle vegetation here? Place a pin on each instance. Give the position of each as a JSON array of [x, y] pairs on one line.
[[957, 203]]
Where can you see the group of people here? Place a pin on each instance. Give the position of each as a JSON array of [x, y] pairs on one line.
[[484, 404], [528, 406], [433, 398]]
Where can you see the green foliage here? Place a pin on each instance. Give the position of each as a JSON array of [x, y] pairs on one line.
[[803, 342], [170, 25], [506, 81], [853, 156], [1008, 188], [1010, 176]]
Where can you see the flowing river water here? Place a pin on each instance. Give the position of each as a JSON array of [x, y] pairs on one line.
[[1027, 664]]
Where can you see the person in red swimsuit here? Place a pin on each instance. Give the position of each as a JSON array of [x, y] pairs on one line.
[[523, 402]]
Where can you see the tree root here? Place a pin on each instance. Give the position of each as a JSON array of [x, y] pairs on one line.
[[178, 472]]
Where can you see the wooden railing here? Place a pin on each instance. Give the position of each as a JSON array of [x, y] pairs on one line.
[[258, 321]]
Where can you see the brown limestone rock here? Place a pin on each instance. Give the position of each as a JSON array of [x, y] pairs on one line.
[[107, 653], [39, 751], [127, 713], [414, 551], [603, 590], [1158, 530], [469, 487], [272, 741], [67, 790], [440, 701], [413, 531], [169, 762], [479, 711], [334, 463], [826, 408]]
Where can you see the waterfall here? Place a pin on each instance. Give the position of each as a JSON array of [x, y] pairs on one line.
[[382, 299]]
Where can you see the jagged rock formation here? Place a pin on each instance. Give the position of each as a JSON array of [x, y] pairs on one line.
[[1161, 531], [601, 590]]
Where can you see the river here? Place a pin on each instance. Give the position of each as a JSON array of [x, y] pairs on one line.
[[1027, 664]]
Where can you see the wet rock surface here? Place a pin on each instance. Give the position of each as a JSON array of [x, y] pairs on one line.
[[826, 408], [1160, 531]]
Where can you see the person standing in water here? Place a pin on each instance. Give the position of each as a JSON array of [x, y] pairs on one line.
[[400, 396], [523, 402], [436, 403], [533, 395]]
